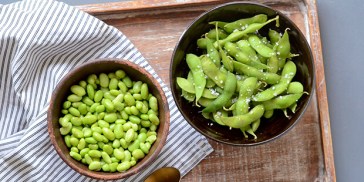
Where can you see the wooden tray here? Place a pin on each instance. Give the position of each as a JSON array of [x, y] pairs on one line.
[[304, 154]]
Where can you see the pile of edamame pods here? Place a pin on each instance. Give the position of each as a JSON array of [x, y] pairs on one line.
[[109, 121], [242, 76]]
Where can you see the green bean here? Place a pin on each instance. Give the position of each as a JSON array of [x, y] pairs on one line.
[[270, 78], [194, 63], [229, 89]]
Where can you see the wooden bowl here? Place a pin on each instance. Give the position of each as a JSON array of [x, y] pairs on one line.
[[269, 129], [95, 67]]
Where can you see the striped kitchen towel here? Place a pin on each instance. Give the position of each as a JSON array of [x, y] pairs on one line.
[[40, 42]]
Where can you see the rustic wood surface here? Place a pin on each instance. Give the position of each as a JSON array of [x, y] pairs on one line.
[[303, 154]]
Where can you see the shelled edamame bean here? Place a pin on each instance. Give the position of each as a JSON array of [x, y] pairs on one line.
[[250, 76], [109, 121]]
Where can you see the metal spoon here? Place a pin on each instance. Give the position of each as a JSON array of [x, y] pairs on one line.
[[164, 174]]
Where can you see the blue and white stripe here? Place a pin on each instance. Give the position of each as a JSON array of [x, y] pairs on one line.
[[40, 42]]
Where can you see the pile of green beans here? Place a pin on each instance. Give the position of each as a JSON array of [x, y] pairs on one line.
[[109, 122], [242, 76]]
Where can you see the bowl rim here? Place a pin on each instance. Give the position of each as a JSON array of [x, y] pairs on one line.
[[164, 132], [305, 42]]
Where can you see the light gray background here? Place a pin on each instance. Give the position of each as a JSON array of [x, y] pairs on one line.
[[342, 28]]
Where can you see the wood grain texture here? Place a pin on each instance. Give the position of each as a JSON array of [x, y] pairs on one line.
[[303, 154]]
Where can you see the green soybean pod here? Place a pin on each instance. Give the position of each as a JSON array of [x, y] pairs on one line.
[[74, 98], [106, 157], [153, 103], [154, 119], [118, 131], [75, 155], [295, 88], [144, 91], [119, 154], [129, 135], [67, 141], [123, 88], [98, 96], [94, 166], [123, 166], [108, 149], [127, 81], [113, 84], [104, 80], [108, 133], [81, 144]]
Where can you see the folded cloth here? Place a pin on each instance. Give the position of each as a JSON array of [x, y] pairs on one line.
[[40, 42]]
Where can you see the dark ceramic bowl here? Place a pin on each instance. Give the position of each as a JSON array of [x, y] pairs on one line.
[[94, 67], [275, 126]]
